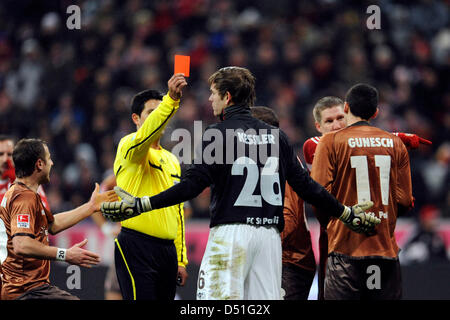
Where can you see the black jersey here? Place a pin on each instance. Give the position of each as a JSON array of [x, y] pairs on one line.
[[246, 163]]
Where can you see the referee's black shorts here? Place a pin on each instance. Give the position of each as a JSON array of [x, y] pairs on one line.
[[146, 266]]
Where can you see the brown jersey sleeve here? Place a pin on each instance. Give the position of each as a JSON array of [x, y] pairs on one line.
[[23, 217], [404, 185], [291, 207], [322, 167], [322, 171]]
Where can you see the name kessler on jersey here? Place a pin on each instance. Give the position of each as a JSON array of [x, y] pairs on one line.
[[255, 138], [214, 139], [370, 142], [225, 146]]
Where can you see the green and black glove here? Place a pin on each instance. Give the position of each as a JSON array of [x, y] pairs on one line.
[[129, 207], [358, 220]]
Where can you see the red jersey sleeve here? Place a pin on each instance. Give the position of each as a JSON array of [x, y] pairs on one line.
[[309, 148]]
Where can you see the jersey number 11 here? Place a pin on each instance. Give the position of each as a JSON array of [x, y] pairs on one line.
[[359, 163]]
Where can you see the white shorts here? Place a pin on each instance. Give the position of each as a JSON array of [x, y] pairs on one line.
[[241, 262]]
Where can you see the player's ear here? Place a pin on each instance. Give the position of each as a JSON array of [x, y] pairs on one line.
[[39, 165], [346, 107], [317, 124], [135, 118], [375, 114], [229, 98]]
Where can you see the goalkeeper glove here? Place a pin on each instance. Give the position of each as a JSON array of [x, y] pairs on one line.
[[129, 207], [412, 140], [358, 220]]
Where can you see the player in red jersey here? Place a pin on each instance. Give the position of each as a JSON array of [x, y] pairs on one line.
[[7, 174]]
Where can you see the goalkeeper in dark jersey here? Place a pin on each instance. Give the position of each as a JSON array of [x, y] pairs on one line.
[[247, 179]]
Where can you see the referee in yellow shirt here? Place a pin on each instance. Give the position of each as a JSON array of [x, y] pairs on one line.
[[150, 250]]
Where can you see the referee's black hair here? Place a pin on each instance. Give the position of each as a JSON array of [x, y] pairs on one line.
[[139, 100], [362, 100]]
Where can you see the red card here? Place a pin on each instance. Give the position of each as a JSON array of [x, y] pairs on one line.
[[182, 64]]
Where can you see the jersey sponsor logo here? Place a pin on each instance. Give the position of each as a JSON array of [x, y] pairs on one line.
[[263, 221], [371, 142], [23, 220]]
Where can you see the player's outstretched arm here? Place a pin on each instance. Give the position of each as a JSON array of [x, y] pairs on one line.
[[190, 186], [411, 140], [28, 247], [67, 219]]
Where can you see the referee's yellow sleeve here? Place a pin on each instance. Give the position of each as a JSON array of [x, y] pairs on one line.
[[136, 147], [180, 243]]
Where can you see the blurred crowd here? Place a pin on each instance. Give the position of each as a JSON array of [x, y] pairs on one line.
[[73, 88]]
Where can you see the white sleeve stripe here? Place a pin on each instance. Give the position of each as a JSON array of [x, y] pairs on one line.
[[315, 139]]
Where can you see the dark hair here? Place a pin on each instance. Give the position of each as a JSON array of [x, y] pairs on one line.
[[25, 155], [325, 103], [265, 114], [239, 82], [5, 137], [139, 100], [362, 100]]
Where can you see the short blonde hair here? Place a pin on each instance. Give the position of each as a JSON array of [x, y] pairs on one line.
[[325, 103]]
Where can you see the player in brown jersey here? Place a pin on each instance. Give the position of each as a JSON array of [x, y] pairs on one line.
[[25, 223], [8, 174], [329, 116], [359, 163]]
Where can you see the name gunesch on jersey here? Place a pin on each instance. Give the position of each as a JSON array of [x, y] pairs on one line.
[[370, 142]]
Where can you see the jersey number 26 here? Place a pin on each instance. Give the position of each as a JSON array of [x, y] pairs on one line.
[[269, 178]]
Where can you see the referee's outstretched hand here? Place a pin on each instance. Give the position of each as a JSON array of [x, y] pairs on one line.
[[176, 84]]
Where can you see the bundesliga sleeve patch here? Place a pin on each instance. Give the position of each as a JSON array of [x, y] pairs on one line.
[[23, 220]]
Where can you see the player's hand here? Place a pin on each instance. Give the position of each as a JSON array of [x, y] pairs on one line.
[[412, 140], [81, 257], [129, 207], [176, 84], [182, 276], [97, 198], [358, 220]]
